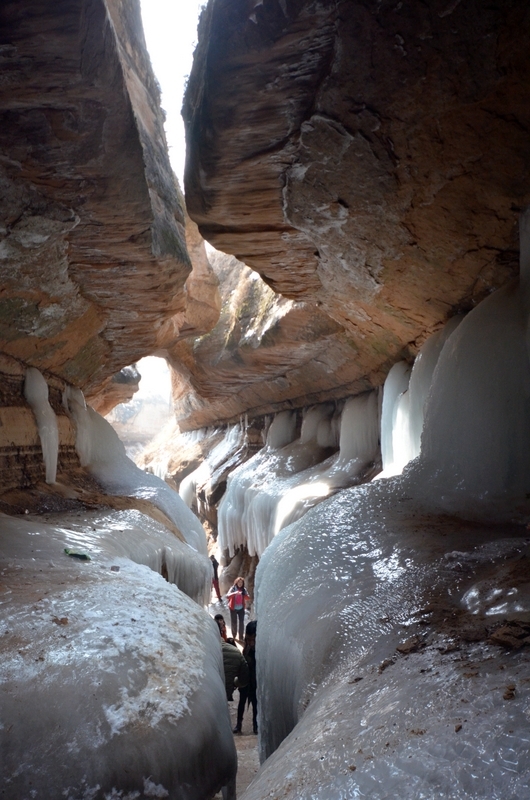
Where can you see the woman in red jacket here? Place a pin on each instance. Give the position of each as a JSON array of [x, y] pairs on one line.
[[238, 598]]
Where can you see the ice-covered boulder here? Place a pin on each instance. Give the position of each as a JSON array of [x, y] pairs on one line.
[[111, 677]]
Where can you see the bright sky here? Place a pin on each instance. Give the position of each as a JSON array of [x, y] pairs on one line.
[[156, 380], [171, 33]]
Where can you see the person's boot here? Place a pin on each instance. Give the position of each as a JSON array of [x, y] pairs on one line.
[[237, 729]]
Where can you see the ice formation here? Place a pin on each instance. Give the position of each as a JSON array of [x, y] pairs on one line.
[[475, 458], [230, 514], [283, 481], [203, 478], [103, 454], [36, 393], [404, 397], [381, 666], [119, 673]]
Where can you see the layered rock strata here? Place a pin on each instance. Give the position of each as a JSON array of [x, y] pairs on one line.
[[265, 353], [92, 256]]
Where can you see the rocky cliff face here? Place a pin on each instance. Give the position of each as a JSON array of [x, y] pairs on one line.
[[93, 260], [264, 353], [93, 257], [368, 158]]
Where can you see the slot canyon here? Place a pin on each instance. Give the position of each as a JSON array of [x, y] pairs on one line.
[[341, 292]]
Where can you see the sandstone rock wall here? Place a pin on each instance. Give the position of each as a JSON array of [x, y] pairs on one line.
[[366, 158], [92, 254]]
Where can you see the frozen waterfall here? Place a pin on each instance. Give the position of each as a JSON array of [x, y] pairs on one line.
[[283, 481], [404, 398], [36, 393], [203, 478]]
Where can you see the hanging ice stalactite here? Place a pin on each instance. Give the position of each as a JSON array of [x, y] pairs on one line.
[[36, 393]]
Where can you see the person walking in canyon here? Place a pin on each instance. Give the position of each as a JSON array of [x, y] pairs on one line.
[[235, 668], [215, 579], [248, 692], [238, 598]]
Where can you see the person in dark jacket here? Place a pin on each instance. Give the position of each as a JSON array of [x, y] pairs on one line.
[[248, 693], [235, 667], [215, 579]]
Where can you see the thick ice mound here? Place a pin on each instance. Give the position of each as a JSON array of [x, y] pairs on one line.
[[131, 534], [384, 624], [361, 576], [118, 673], [475, 457]]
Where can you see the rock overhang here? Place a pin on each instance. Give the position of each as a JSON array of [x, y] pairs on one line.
[[370, 159]]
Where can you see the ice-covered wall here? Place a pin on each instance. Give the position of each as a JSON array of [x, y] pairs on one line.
[[283, 481], [112, 679], [36, 393], [385, 622], [372, 664], [203, 478], [404, 397]]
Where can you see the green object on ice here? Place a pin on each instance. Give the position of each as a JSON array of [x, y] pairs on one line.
[[75, 554]]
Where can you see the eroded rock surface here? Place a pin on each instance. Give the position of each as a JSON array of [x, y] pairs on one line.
[[265, 352], [92, 254]]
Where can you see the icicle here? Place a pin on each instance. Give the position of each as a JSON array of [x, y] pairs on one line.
[[396, 383], [282, 429], [404, 398], [36, 393], [280, 484], [202, 476]]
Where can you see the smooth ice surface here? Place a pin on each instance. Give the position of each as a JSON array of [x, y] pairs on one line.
[[103, 454], [36, 393], [475, 456], [396, 383], [405, 396], [281, 483], [118, 672], [131, 534]]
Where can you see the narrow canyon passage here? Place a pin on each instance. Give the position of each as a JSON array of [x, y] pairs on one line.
[[337, 293]]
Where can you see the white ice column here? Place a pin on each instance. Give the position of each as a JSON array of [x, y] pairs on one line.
[[36, 393], [477, 421]]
